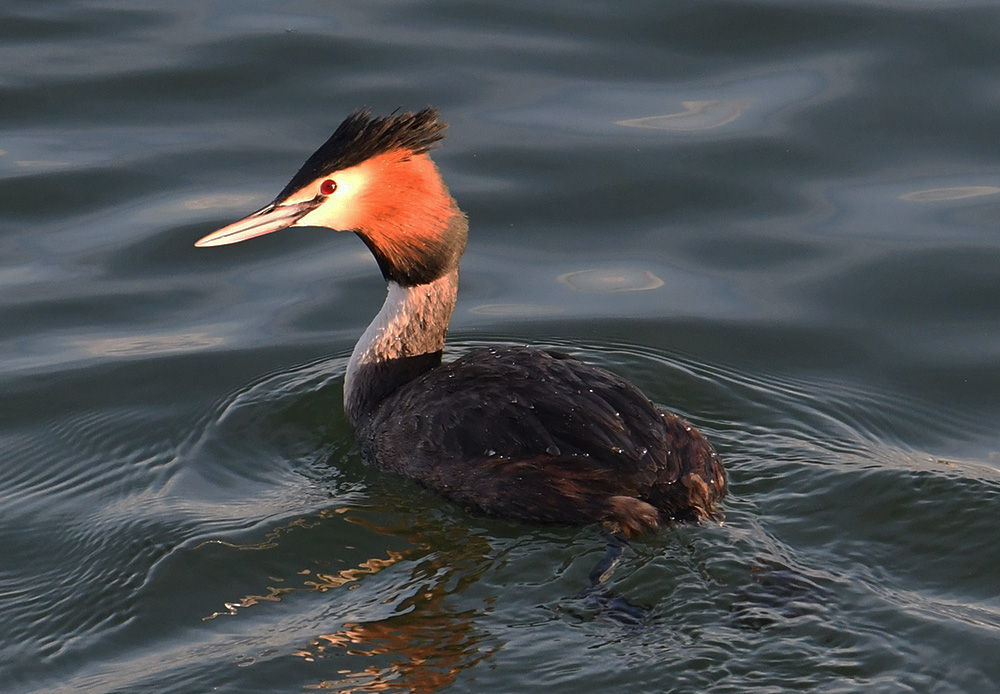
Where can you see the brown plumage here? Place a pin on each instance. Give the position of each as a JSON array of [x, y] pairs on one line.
[[544, 437]]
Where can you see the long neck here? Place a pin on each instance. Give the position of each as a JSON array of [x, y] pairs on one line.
[[405, 340]]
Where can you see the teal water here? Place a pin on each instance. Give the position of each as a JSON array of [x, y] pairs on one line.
[[779, 219]]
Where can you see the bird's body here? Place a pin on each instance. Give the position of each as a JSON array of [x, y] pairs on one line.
[[512, 431], [592, 448]]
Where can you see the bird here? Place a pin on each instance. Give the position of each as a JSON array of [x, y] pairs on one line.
[[512, 431]]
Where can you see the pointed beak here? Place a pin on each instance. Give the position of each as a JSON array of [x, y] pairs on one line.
[[273, 217]]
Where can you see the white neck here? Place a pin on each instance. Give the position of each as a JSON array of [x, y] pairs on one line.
[[413, 322]]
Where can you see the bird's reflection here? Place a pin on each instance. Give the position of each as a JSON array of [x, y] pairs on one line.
[[426, 648], [425, 643]]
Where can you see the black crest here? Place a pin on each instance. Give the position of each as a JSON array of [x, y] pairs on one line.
[[361, 137]]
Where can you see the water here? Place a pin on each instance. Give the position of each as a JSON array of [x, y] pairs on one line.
[[778, 218]]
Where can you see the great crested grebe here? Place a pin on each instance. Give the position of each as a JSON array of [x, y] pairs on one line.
[[513, 431]]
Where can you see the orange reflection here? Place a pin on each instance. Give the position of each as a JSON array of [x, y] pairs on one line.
[[427, 648], [426, 643]]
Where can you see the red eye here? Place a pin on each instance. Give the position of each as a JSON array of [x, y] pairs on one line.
[[327, 187]]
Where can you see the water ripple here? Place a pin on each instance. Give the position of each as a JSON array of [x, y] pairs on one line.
[[264, 507]]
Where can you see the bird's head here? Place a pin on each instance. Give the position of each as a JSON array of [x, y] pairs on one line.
[[373, 177]]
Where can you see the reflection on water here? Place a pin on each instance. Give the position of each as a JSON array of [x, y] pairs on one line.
[[149, 344], [611, 280], [954, 193], [525, 310], [778, 594], [425, 641], [425, 647], [697, 115], [211, 202]]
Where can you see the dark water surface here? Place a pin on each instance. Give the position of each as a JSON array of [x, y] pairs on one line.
[[781, 219]]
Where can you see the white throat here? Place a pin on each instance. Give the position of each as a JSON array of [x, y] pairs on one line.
[[413, 321]]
